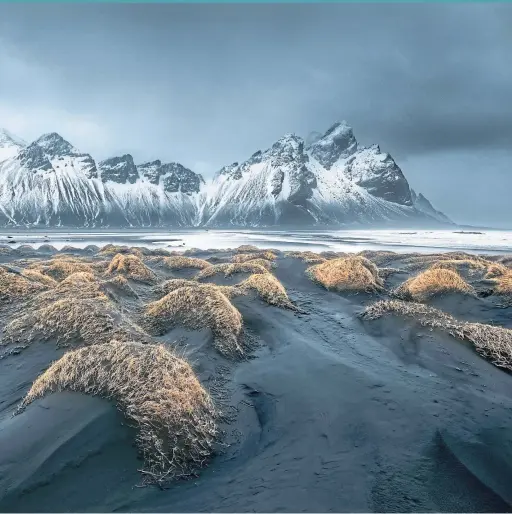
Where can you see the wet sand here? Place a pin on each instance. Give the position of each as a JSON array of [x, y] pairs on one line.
[[329, 413]]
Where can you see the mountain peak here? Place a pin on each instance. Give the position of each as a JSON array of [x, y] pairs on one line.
[[54, 145], [338, 141], [288, 147]]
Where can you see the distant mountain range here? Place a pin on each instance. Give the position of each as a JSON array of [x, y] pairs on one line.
[[330, 181]]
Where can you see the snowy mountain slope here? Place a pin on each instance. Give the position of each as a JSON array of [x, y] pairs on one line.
[[35, 191], [10, 145], [332, 181], [270, 188]]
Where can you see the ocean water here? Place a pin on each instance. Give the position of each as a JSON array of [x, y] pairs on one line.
[[484, 241]]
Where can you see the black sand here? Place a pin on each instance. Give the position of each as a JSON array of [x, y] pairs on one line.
[[329, 414]]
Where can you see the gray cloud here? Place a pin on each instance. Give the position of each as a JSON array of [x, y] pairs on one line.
[[210, 84]]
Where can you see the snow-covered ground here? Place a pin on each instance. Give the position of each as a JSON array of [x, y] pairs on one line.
[[485, 241]]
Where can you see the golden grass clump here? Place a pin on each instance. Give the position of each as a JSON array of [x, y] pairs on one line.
[[131, 267], [153, 252], [433, 282], [15, 287], [80, 285], [177, 283], [268, 265], [330, 254], [501, 278], [380, 257], [247, 249], [458, 265], [505, 284], [418, 261], [496, 270], [265, 255], [60, 268], [347, 274], [308, 257], [69, 320], [268, 289], [229, 269], [175, 417], [111, 250], [181, 262], [37, 276], [198, 307], [492, 342]]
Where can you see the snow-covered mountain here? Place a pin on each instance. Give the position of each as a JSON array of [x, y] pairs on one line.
[[10, 145], [331, 181]]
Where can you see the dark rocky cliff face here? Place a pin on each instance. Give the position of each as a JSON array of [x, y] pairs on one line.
[[174, 177], [178, 178], [379, 174], [337, 142], [119, 169], [33, 158], [287, 155]]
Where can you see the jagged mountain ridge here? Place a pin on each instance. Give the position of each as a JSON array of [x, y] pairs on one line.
[[331, 181]]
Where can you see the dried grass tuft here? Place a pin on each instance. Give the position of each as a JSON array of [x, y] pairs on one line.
[[265, 255], [61, 267], [182, 262], [268, 288], [431, 283], [37, 276], [268, 265], [155, 389], [308, 257], [347, 274], [492, 342], [229, 269], [111, 250], [177, 283], [418, 261], [198, 307], [131, 267], [496, 270], [16, 287], [69, 320], [502, 281], [381, 257], [247, 249]]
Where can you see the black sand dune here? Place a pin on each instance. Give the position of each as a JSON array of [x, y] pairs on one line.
[[329, 413]]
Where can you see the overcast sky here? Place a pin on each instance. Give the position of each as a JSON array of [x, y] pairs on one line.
[[207, 85]]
